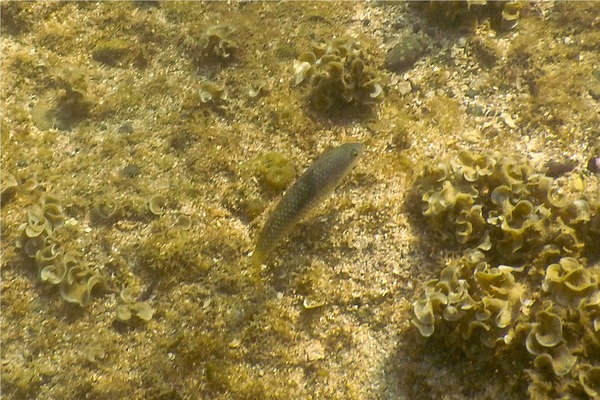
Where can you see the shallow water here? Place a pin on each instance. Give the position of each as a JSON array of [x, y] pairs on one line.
[[145, 126]]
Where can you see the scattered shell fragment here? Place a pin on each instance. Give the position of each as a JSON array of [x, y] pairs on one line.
[[315, 351], [507, 118], [311, 302], [404, 88]]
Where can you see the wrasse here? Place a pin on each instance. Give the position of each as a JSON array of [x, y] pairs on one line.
[[318, 182]]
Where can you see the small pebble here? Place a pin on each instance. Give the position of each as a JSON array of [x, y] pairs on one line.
[[127, 127], [404, 88], [556, 168], [472, 92], [315, 351], [461, 42], [131, 171]]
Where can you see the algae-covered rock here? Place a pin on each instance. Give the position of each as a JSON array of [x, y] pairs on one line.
[[274, 170], [172, 253], [16, 17], [405, 53]]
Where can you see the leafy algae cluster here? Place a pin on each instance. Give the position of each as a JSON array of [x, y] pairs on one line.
[[67, 269], [523, 281], [212, 44], [338, 76], [67, 101], [57, 267], [504, 14], [131, 307]]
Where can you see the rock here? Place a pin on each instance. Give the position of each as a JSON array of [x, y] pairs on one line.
[[404, 88], [315, 351], [409, 49]]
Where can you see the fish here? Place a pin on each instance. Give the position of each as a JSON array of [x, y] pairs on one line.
[[315, 185]]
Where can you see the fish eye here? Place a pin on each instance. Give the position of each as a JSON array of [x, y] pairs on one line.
[[354, 153]]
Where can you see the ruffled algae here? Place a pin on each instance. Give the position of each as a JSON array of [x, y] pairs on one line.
[[515, 239]]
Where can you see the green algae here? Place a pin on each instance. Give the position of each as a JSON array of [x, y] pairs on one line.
[[105, 210], [274, 170], [157, 204], [504, 15], [130, 307], [516, 225], [65, 269], [338, 77], [67, 103]]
